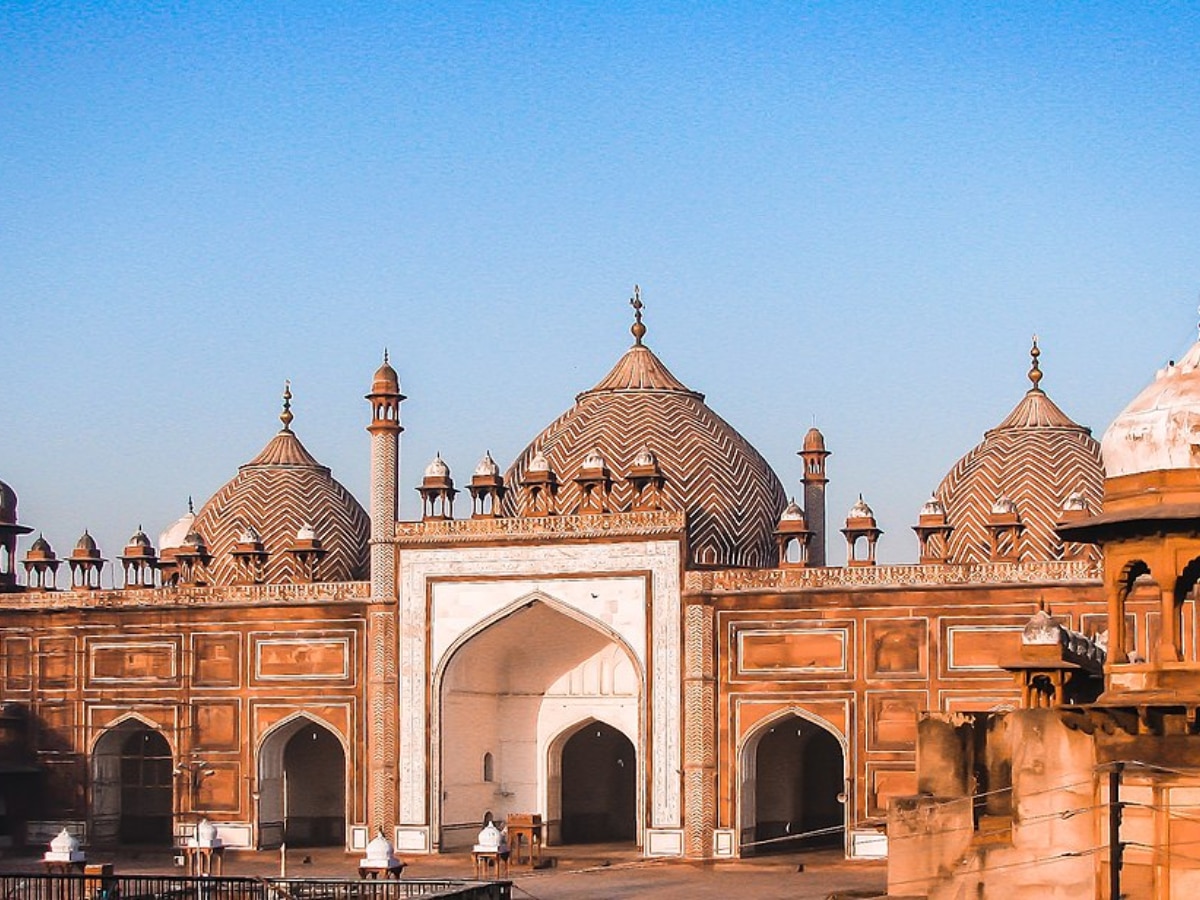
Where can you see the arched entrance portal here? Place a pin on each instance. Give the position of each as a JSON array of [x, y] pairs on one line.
[[599, 787], [510, 696], [132, 791], [794, 778], [302, 786]]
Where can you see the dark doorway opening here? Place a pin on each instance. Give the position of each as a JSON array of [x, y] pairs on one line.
[[800, 774], [599, 786], [146, 790], [314, 766]]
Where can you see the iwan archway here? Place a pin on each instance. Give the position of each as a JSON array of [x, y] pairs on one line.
[[511, 695], [132, 786], [793, 786], [302, 786]]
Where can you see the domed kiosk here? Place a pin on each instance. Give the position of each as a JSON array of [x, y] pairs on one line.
[[1002, 501], [283, 490], [639, 411]]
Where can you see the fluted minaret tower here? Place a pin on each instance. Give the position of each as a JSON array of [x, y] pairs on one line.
[[382, 699], [385, 428], [814, 455]]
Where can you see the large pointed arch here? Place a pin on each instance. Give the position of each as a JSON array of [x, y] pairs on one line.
[[302, 786], [828, 774], [132, 783]]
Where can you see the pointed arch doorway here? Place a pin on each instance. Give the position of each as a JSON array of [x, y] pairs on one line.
[[598, 787], [132, 786], [793, 787], [302, 786], [512, 691]]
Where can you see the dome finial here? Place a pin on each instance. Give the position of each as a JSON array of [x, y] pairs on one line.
[[1035, 373], [385, 356], [191, 507], [638, 329], [286, 416]]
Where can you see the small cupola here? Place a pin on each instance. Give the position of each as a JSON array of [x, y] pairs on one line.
[[41, 565], [861, 526], [595, 484], [1004, 526], [86, 563], [647, 480], [437, 491], [486, 489], [792, 536], [250, 556], [933, 532], [139, 560], [192, 559], [540, 486], [308, 551]]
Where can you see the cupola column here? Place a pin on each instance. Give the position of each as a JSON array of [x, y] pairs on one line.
[[382, 698]]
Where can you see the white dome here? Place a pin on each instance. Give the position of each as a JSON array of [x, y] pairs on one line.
[[489, 838], [306, 533], [437, 468], [379, 849], [64, 842], [1004, 507], [793, 512], [860, 510], [933, 507], [176, 533], [1076, 502], [594, 460], [487, 466], [645, 459], [249, 536], [538, 463], [1160, 429]]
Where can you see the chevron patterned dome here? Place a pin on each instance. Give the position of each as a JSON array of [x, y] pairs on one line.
[[277, 494], [1035, 459], [732, 498]]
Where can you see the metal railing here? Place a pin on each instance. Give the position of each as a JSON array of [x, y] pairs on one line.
[[170, 887]]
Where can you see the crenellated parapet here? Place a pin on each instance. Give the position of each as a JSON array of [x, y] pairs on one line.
[[588, 527], [167, 597]]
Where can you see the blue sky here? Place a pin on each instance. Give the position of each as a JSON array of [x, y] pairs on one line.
[[853, 214]]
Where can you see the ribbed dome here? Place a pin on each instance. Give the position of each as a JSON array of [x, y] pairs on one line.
[[1160, 428], [1035, 458], [732, 497], [277, 493]]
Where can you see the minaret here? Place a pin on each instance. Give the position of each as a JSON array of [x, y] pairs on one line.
[[814, 455], [385, 428], [382, 697]]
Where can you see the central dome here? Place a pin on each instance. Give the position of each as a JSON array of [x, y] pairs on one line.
[[730, 494]]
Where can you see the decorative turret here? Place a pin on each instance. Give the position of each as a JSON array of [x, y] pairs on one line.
[[792, 537], [540, 486], [192, 559], [437, 491], [860, 524], [307, 551], [86, 563], [1004, 525], [139, 560], [1076, 509], [933, 532], [487, 489], [594, 484], [814, 454], [250, 556], [647, 480], [41, 565]]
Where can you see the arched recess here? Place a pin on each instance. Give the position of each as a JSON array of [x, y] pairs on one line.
[[794, 782], [592, 789], [133, 798], [1185, 587], [508, 687], [301, 798]]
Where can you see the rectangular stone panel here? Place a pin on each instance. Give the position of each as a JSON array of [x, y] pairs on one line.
[[978, 649], [302, 659], [218, 660], [886, 783], [892, 719], [56, 662], [897, 648], [795, 651], [18, 664], [55, 727], [218, 786], [217, 724], [140, 662]]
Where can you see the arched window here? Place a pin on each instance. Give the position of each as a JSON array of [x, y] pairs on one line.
[[488, 768]]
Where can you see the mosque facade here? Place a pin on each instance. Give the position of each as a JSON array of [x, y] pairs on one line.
[[631, 634]]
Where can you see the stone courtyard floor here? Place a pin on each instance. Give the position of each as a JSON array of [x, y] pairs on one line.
[[608, 872]]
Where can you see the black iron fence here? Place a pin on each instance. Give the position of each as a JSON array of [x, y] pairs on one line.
[[169, 887]]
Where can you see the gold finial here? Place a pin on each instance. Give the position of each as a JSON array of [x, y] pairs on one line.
[[1035, 373], [638, 329], [286, 416]]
